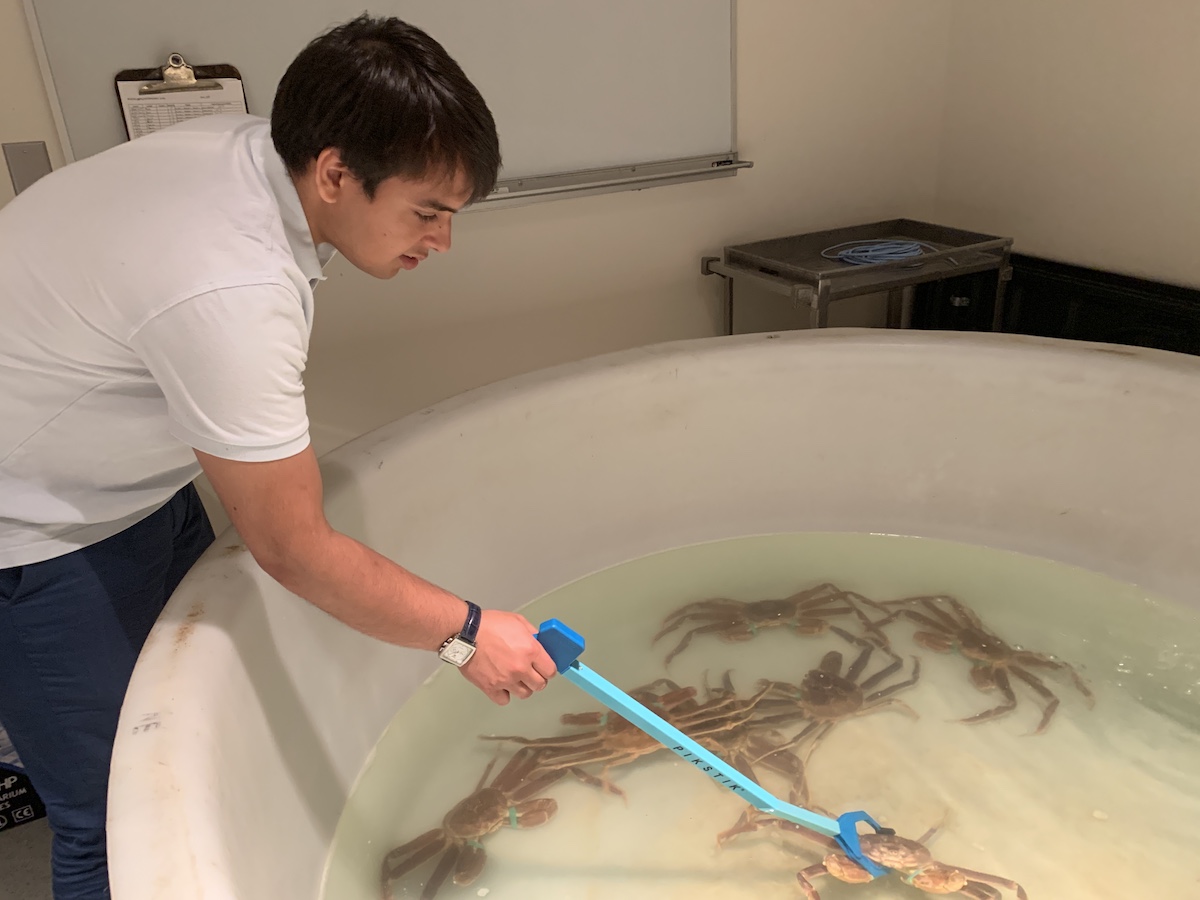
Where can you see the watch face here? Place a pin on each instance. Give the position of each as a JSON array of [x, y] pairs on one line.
[[457, 652]]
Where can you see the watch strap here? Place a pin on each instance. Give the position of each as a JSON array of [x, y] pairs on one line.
[[471, 626]]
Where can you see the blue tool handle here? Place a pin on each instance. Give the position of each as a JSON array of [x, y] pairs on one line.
[[564, 646]]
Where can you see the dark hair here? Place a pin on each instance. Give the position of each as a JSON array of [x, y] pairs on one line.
[[390, 99]]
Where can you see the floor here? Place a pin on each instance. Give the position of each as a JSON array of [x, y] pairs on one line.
[[25, 862]]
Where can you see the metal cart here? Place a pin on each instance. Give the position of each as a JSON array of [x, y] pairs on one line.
[[794, 267]]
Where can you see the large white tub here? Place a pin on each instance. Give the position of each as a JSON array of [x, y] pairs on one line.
[[251, 713]]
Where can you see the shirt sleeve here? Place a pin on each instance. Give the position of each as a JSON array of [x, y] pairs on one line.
[[230, 364]]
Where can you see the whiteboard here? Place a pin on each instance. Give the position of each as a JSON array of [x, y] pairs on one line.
[[574, 85]]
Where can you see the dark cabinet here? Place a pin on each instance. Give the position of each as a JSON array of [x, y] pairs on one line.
[[964, 303], [1053, 299]]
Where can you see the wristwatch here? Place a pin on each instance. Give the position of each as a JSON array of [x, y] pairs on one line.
[[459, 648]]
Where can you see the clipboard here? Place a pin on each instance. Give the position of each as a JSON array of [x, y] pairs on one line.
[[152, 99]]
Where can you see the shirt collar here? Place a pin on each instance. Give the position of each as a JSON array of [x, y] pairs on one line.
[[309, 257]]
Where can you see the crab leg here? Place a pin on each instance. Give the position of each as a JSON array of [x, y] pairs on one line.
[[1028, 658], [803, 876], [891, 689], [859, 664], [986, 677], [405, 858], [1044, 692], [976, 891], [984, 879], [438, 877], [699, 629]]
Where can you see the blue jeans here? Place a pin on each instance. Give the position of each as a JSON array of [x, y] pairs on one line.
[[71, 629]]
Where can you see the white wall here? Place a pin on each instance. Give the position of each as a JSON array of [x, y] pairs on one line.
[[1073, 125], [840, 107]]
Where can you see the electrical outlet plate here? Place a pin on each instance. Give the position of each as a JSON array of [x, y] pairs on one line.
[[27, 162]]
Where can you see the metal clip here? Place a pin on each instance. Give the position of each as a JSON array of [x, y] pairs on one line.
[[177, 75]]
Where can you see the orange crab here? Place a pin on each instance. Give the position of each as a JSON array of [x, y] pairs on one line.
[[908, 858], [615, 741], [949, 625], [806, 612], [510, 800]]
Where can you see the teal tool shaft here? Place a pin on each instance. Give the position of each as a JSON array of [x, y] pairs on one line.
[[708, 763]]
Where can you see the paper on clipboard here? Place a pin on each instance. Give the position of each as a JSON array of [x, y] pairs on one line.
[[152, 99], [145, 113]]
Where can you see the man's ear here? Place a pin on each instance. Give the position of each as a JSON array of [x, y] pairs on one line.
[[331, 177]]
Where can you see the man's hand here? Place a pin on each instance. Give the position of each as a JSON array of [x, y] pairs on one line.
[[277, 508], [508, 658]]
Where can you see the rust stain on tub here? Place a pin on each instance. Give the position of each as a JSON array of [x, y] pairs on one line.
[[189, 624]]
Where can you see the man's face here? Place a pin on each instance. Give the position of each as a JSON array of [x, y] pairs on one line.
[[395, 229]]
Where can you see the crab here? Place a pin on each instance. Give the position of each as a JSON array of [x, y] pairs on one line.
[[509, 800], [908, 858], [804, 613], [615, 741], [826, 696], [992, 660]]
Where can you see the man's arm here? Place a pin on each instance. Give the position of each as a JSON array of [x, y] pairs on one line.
[[277, 508]]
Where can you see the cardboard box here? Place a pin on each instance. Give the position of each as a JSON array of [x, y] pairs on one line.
[[19, 802]]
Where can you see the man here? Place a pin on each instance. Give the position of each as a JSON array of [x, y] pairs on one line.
[[156, 302]]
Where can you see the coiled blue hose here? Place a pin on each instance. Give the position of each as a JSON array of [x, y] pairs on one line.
[[871, 252]]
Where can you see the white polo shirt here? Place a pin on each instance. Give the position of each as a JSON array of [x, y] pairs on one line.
[[153, 298]]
